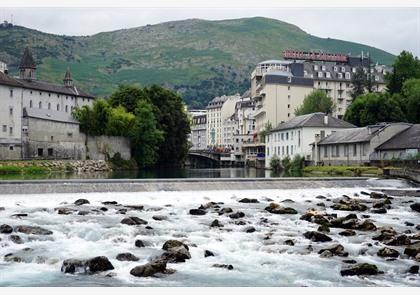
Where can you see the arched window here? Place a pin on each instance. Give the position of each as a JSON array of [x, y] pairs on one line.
[[58, 107], [40, 105], [30, 104], [49, 106]]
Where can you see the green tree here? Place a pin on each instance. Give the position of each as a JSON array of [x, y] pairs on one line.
[[99, 115], [145, 135], [411, 100], [372, 108], [84, 116], [316, 101], [127, 96], [405, 67], [358, 81], [172, 119], [120, 122]]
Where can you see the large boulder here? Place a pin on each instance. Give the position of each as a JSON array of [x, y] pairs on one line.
[[400, 240], [169, 244], [349, 204], [34, 230], [5, 229], [360, 269], [97, 264], [133, 221], [176, 251], [317, 236], [198, 212], [149, 269], [237, 215], [73, 266]]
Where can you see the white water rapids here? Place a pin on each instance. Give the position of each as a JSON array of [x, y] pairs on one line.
[[256, 261]]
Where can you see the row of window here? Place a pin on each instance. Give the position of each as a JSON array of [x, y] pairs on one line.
[[49, 94], [276, 137], [335, 151], [283, 151], [10, 129], [66, 108]]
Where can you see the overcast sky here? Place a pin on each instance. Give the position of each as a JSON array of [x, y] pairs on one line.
[[391, 29]]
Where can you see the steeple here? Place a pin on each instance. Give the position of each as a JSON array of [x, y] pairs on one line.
[[27, 65], [68, 81]]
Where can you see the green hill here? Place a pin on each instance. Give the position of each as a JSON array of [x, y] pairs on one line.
[[198, 58]]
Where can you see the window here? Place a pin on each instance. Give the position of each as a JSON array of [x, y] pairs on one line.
[[337, 150], [50, 152], [288, 88], [282, 138], [299, 138], [355, 150], [320, 74], [52, 138], [10, 130], [268, 151], [288, 96], [291, 149], [58, 95], [40, 105], [288, 106], [322, 134], [288, 114], [340, 76], [40, 152], [4, 128], [325, 151], [348, 75], [30, 104], [282, 150], [328, 74], [40, 93], [335, 69], [31, 91], [11, 111], [49, 94], [323, 68], [11, 148], [315, 67], [346, 150], [58, 107], [11, 92], [287, 150], [49, 106], [343, 69], [287, 135]]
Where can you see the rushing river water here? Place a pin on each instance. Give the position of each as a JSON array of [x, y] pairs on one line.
[[259, 258]]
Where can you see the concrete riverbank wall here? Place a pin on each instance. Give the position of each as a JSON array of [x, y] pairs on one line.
[[146, 185]]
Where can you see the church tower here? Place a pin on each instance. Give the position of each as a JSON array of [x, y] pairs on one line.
[[27, 65], [68, 81]]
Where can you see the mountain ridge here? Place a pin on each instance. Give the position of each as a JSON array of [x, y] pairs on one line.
[[198, 58]]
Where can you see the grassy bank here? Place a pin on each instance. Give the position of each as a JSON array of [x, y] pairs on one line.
[[343, 170]]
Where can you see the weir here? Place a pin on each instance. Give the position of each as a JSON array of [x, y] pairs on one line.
[[187, 184]]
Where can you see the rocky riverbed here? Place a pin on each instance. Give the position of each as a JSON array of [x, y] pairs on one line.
[[296, 237]]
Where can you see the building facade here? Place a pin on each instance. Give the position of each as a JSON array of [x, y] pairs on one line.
[[23, 98], [296, 136], [198, 130], [354, 146]]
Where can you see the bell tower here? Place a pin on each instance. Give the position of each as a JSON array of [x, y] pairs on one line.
[[68, 81], [27, 66]]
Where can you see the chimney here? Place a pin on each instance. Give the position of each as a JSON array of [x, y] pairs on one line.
[[326, 119]]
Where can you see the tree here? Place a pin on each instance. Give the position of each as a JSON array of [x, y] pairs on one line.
[[127, 96], [120, 122], [145, 136], [411, 100], [372, 108], [405, 67], [317, 101], [172, 119], [99, 116], [358, 82], [84, 116]]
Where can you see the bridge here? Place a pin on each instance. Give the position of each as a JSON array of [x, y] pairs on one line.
[[207, 158]]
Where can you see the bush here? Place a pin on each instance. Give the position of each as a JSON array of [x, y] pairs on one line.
[[275, 164]]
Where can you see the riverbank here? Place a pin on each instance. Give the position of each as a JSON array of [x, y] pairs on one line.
[[42, 167], [343, 170]]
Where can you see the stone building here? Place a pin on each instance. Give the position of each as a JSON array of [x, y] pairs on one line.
[[46, 107], [296, 136], [354, 146]]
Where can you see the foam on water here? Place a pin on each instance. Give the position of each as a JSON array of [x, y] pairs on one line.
[[256, 261]]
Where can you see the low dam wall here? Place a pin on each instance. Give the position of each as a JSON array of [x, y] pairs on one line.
[[187, 184]]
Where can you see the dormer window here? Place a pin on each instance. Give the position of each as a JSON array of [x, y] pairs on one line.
[[343, 69], [328, 74], [320, 75], [348, 75]]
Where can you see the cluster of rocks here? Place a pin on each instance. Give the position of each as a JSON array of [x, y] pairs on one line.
[[65, 165]]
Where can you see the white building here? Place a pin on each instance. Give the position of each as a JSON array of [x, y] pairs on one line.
[[26, 92], [219, 110], [296, 136], [355, 146]]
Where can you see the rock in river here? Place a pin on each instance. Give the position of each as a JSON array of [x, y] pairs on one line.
[[216, 223], [208, 253], [277, 209], [16, 239], [80, 202], [335, 250], [133, 221], [198, 212], [388, 252], [5, 229], [246, 200], [360, 269], [412, 250], [317, 236], [237, 215], [127, 257], [93, 265], [415, 207], [34, 230], [149, 269], [227, 266], [139, 244], [176, 251]]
